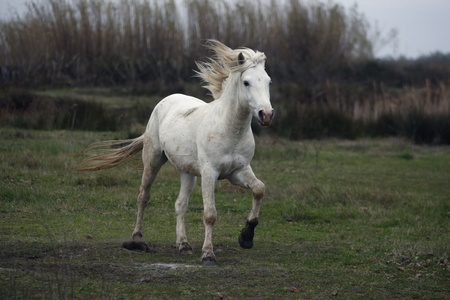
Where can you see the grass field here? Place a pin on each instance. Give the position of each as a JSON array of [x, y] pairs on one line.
[[341, 219]]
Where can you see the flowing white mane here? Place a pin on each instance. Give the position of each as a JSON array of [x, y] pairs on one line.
[[225, 61]]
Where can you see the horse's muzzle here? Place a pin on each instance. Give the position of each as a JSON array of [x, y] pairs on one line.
[[265, 117]]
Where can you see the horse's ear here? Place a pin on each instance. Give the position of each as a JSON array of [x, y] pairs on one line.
[[241, 58]]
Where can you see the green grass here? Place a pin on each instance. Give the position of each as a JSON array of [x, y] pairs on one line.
[[345, 219]]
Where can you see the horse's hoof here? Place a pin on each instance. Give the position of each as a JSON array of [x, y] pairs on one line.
[[136, 245], [209, 261], [185, 249], [245, 243], [247, 234]]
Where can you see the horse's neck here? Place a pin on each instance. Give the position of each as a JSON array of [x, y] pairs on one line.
[[234, 114]]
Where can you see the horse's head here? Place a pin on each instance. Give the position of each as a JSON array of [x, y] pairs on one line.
[[242, 67], [254, 88]]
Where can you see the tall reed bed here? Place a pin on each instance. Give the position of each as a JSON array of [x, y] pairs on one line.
[[420, 114], [107, 42]]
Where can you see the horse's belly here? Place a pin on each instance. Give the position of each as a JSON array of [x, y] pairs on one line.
[[181, 153]]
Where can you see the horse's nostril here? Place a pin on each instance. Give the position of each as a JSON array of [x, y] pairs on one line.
[[261, 115], [273, 114]]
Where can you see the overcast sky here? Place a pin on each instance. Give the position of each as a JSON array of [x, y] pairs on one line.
[[423, 26]]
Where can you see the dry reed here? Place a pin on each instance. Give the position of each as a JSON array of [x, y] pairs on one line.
[[101, 42]]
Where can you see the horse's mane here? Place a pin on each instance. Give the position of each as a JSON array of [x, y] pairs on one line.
[[225, 61]]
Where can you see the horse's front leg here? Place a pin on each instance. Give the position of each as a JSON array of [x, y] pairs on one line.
[[209, 178], [247, 179]]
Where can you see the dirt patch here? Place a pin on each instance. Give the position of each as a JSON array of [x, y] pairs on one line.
[[166, 267]]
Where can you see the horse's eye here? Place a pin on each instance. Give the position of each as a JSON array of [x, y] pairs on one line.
[[246, 83]]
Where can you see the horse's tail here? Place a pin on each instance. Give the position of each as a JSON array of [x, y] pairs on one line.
[[109, 154]]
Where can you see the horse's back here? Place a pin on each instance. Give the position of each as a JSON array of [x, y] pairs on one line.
[[178, 105], [172, 110]]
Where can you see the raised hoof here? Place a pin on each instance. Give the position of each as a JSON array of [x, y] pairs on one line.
[[209, 261], [185, 249], [247, 234], [245, 243]]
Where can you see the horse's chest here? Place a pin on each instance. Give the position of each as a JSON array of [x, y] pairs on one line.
[[226, 153], [230, 163]]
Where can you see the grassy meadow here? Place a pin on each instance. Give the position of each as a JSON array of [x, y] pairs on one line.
[[341, 219]]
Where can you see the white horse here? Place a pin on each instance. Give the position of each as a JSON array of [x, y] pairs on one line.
[[208, 140]]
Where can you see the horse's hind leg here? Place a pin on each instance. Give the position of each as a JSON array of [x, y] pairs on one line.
[[181, 205], [153, 161], [152, 165], [247, 179]]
